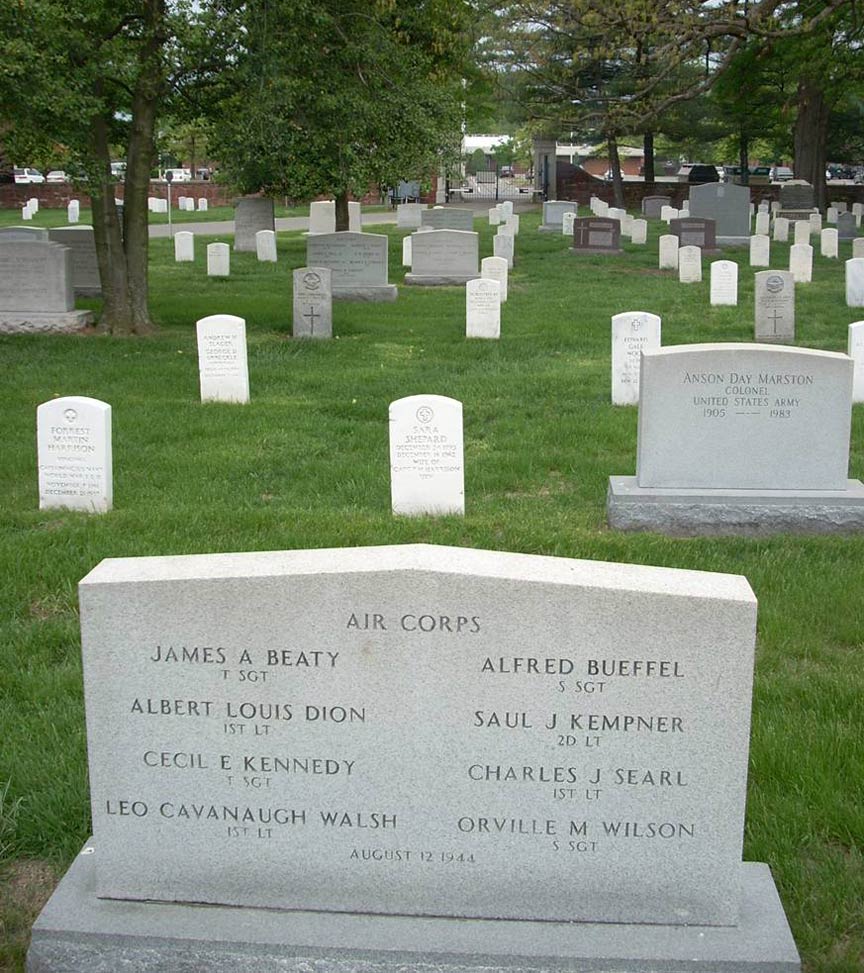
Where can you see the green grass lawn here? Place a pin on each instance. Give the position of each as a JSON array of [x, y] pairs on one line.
[[306, 465], [57, 216]]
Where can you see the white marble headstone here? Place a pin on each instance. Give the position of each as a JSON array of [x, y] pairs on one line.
[[502, 246], [855, 350], [494, 216], [802, 231], [73, 436], [322, 216], [483, 308], [638, 231], [426, 456], [724, 282], [184, 246], [801, 262], [815, 222], [855, 282], [632, 333], [73, 211], [774, 307], [763, 222], [203, 205], [858, 247], [567, 224], [265, 246], [781, 229], [669, 251], [313, 303], [406, 251], [828, 242], [218, 260], [689, 265], [760, 251], [495, 268], [222, 366]]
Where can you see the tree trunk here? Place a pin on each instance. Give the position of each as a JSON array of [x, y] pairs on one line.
[[810, 134], [615, 166], [341, 211], [744, 156], [108, 238], [648, 156]]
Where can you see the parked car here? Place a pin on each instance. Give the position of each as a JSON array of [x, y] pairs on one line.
[[781, 174], [177, 175], [506, 172], [27, 175], [56, 175], [760, 175]]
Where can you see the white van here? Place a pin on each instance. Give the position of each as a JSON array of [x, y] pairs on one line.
[[177, 175]]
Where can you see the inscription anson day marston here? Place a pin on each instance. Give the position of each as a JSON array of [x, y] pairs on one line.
[[419, 730]]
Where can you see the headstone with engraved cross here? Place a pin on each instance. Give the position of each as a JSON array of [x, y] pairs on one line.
[[313, 303], [593, 234], [775, 307]]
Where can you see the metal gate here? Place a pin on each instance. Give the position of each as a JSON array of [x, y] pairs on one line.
[[503, 183]]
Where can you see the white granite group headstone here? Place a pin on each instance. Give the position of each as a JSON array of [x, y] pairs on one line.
[[444, 257], [322, 216], [632, 333], [86, 281], [408, 215], [426, 456], [359, 262], [74, 454], [222, 365]]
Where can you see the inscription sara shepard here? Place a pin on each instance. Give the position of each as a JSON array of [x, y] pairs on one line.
[[373, 723]]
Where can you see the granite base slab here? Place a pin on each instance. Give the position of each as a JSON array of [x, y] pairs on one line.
[[551, 228], [611, 250], [27, 322], [383, 292], [78, 933], [445, 280], [732, 241], [699, 513]]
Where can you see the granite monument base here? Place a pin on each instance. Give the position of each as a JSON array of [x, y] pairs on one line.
[[699, 513], [793, 215], [442, 280], [27, 322], [376, 292], [550, 228], [731, 241], [612, 250], [79, 933]]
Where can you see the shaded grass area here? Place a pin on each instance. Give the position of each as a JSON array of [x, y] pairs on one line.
[[306, 465]]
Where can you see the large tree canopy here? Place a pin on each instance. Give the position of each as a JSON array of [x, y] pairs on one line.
[[92, 77], [332, 96]]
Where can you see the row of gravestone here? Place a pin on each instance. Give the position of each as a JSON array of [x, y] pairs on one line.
[[712, 419]]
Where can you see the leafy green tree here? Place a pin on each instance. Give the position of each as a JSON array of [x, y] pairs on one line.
[[94, 76], [328, 97]]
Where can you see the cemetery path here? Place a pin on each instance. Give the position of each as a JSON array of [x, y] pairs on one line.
[[286, 223]]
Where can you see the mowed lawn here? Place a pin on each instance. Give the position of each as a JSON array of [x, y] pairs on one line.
[[306, 465]]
